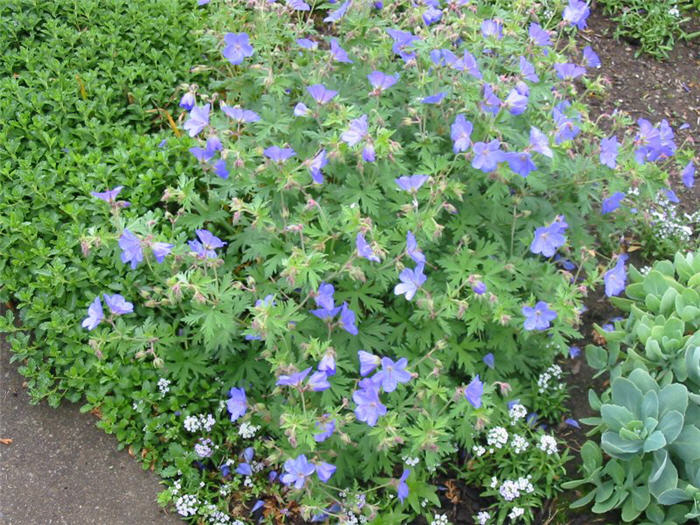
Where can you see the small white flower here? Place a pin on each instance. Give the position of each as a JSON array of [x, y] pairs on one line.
[[516, 412], [483, 517], [164, 385], [440, 519], [497, 437], [192, 424], [186, 505], [548, 444], [494, 482], [516, 512], [479, 451], [519, 443]]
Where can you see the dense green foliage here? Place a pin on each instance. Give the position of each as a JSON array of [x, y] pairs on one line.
[[655, 25], [650, 417], [82, 82]]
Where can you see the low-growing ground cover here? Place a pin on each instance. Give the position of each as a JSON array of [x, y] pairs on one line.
[[429, 259]]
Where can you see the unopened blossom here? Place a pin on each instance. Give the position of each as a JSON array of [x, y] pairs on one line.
[[489, 360]]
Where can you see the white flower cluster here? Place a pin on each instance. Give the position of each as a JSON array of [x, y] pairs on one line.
[[519, 443], [199, 422], [163, 386], [668, 222], [186, 505], [204, 448], [674, 11], [440, 519], [497, 437], [550, 379], [548, 444], [479, 451], [512, 489], [483, 517], [352, 519], [517, 412], [215, 516], [411, 462], [515, 513], [247, 431]]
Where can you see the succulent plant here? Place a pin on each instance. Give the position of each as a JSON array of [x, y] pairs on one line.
[[650, 417]]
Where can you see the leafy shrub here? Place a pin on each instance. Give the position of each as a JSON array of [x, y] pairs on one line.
[[82, 82], [650, 419], [415, 238], [655, 24]]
